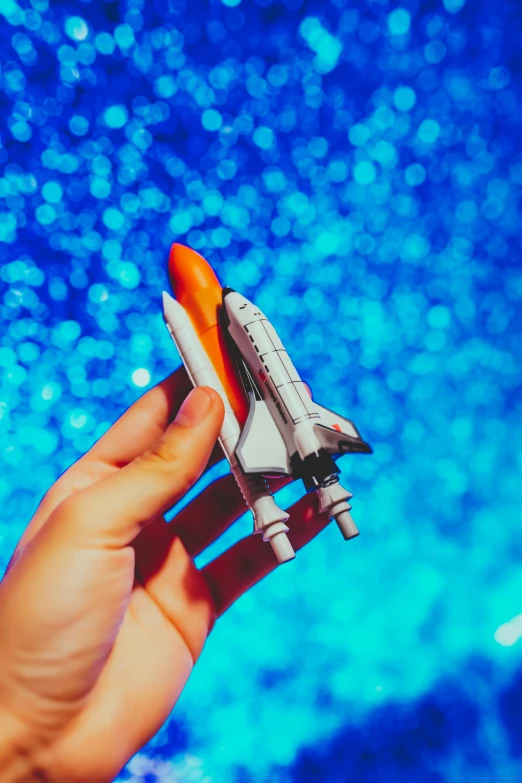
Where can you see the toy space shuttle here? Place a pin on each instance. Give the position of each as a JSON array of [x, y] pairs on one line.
[[271, 426]]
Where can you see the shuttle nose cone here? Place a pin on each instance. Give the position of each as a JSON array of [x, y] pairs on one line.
[[189, 273]]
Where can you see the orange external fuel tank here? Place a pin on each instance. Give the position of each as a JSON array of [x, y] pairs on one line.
[[198, 290]]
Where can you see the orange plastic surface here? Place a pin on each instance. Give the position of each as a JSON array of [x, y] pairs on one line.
[[198, 290]]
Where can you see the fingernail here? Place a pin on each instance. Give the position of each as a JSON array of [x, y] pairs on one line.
[[194, 408]]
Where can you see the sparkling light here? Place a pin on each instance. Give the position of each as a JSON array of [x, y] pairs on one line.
[[399, 21], [509, 633], [141, 377], [76, 28], [116, 116]]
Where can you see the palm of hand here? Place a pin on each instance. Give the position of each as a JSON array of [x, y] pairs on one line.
[[110, 633]]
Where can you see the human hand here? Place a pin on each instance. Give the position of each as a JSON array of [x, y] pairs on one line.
[[102, 610]]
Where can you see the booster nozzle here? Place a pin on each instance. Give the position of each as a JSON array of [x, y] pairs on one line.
[[346, 525], [282, 547], [333, 500]]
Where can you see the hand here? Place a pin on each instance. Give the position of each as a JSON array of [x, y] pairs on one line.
[[102, 610]]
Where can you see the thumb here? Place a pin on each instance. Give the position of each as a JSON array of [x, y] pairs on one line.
[[112, 512]]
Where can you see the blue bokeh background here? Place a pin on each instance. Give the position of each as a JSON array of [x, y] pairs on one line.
[[355, 167]]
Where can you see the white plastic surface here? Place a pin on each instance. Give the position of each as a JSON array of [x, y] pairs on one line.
[[261, 448], [253, 487]]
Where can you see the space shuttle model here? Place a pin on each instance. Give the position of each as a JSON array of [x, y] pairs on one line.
[[271, 426]]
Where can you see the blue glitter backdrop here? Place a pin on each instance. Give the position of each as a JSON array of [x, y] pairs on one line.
[[355, 167]]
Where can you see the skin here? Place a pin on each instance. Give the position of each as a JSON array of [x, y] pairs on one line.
[[103, 613]]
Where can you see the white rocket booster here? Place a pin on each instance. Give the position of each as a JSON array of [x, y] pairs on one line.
[[269, 519]]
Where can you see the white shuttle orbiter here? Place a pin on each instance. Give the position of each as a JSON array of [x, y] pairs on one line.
[[286, 431]]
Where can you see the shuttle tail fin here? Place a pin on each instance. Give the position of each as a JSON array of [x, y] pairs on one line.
[[339, 435]]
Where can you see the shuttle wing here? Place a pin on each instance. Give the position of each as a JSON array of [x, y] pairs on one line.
[[337, 434], [261, 448]]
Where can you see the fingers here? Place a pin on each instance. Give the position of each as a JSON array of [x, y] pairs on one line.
[[248, 561], [164, 555], [211, 513], [196, 526], [113, 511]]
